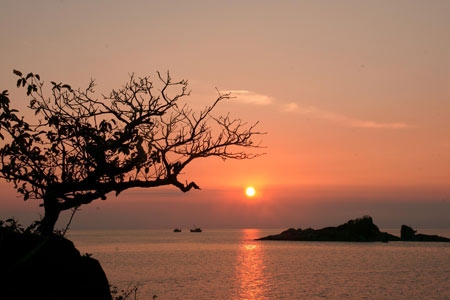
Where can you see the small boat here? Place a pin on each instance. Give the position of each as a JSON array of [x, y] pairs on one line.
[[177, 230], [196, 229]]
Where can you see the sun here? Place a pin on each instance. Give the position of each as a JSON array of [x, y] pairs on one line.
[[250, 191]]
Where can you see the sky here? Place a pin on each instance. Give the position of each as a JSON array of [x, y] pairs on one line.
[[354, 97]]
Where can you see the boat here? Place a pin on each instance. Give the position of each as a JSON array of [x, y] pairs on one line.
[[196, 229], [177, 230]]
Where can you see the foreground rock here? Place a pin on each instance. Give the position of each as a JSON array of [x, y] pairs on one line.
[[37, 267], [358, 230]]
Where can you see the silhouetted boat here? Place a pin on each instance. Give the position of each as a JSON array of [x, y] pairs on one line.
[[177, 230], [196, 229]]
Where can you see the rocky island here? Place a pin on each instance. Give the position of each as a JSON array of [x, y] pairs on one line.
[[357, 230], [409, 234]]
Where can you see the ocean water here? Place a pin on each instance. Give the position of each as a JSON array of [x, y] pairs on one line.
[[230, 264]]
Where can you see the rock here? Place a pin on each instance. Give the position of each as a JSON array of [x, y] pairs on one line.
[[409, 234], [358, 230], [37, 267]]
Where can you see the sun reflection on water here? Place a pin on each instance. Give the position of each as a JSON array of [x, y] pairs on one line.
[[250, 267]]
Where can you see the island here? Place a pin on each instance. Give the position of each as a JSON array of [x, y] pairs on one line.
[[357, 230], [409, 234]]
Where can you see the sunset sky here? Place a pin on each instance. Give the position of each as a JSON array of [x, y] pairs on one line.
[[354, 97]]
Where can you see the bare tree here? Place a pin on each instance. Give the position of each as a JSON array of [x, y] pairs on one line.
[[80, 148]]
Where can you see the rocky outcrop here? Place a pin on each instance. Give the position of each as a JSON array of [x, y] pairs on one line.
[[409, 234], [37, 267], [358, 230]]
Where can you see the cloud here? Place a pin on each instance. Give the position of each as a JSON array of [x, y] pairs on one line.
[[342, 119], [251, 97], [372, 124], [290, 107]]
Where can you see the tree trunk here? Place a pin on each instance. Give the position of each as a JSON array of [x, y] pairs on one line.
[[51, 215]]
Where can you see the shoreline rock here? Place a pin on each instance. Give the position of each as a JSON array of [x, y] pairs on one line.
[[38, 267]]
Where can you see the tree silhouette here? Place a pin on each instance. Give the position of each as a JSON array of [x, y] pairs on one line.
[[80, 148]]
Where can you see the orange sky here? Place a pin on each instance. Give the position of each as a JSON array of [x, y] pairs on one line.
[[354, 96]]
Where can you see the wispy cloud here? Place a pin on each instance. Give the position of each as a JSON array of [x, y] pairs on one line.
[[251, 97], [314, 112], [342, 119]]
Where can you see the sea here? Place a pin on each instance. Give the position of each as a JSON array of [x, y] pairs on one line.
[[231, 264]]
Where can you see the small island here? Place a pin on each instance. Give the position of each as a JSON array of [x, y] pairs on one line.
[[357, 230]]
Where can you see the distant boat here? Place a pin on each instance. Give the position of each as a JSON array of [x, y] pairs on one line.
[[196, 229], [177, 230]]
